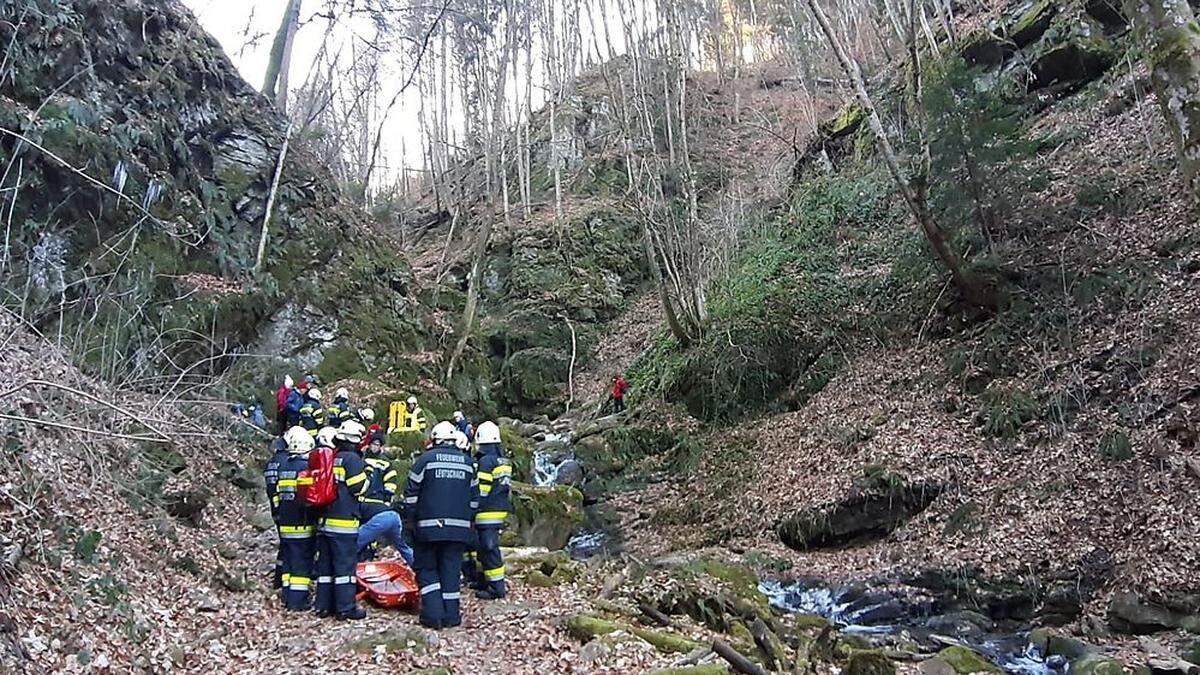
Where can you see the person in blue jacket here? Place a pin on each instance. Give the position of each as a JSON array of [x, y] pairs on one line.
[[494, 476], [337, 529], [440, 499]]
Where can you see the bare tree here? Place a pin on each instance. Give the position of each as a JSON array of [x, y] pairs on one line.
[[275, 86], [1171, 34]]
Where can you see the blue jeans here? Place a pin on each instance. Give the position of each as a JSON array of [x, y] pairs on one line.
[[385, 526]]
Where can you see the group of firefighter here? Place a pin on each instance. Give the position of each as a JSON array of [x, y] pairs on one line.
[[445, 525]]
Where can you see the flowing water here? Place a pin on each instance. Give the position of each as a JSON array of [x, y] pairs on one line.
[[882, 615], [546, 464]]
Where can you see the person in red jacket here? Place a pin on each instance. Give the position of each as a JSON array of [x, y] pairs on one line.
[[281, 397], [619, 387]]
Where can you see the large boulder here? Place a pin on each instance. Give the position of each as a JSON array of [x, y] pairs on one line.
[[859, 517], [1129, 613], [544, 516]]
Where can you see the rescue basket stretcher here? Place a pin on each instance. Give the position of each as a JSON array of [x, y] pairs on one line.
[[388, 583]]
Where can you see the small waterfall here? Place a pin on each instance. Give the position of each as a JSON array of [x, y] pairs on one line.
[[545, 471], [545, 466]]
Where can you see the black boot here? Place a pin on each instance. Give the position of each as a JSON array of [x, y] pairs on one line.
[[494, 591], [435, 625], [356, 613]]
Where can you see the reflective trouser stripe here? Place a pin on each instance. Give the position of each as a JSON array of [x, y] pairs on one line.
[[451, 596], [494, 574], [431, 588], [300, 583], [491, 517], [296, 529], [339, 525], [285, 578], [324, 580], [444, 522], [344, 580]]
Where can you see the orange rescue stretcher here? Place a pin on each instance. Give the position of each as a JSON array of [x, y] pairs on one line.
[[388, 583]]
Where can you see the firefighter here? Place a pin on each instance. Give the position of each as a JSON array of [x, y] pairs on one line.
[[439, 501], [407, 417], [337, 532], [312, 415], [494, 475], [297, 534], [340, 410], [279, 453], [379, 519]]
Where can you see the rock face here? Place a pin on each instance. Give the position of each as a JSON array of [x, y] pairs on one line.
[[140, 98], [857, 518], [544, 516]]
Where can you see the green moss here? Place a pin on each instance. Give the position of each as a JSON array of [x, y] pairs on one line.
[[845, 123], [1034, 21], [545, 516], [666, 641], [965, 661], [585, 627], [1005, 409], [869, 662], [539, 579], [520, 453], [1097, 664]]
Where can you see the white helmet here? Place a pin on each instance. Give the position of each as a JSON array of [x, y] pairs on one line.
[[351, 431], [458, 416], [412, 400], [487, 432], [460, 441], [444, 432], [367, 414], [314, 393], [298, 440], [326, 435], [288, 382], [342, 392]]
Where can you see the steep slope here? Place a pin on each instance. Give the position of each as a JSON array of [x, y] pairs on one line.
[[1056, 437], [140, 166]]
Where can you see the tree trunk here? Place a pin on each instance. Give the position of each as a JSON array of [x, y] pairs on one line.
[[1169, 30], [964, 280], [275, 84]]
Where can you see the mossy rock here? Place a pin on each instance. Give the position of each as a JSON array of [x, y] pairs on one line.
[[717, 605], [1051, 643], [1078, 60], [539, 579], [807, 622], [706, 669], [845, 123], [439, 670], [666, 641], [545, 515], [1032, 22], [392, 641], [985, 48], [869, 662], [1097, 664], [965, 661], [519, 451], [586, 627]]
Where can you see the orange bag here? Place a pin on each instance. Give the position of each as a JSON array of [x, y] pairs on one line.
[[388, 583]]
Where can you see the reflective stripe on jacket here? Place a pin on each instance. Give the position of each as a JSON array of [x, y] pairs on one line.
[[441, 496]]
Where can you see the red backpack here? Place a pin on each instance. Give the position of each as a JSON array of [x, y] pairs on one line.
[[316, 484]]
